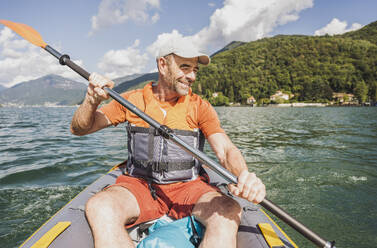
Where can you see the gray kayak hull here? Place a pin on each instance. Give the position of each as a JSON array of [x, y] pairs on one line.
[[77, 233]]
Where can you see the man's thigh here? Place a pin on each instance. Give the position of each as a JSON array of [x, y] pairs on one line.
[[149, 208], [182, 197]]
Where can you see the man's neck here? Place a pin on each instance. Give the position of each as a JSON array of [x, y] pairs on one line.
[[165, 94]]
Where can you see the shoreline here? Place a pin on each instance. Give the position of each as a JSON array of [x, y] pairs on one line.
[[298, 105], [35, 106], [279, 105]]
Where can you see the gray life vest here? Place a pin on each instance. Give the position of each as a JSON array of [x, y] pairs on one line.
[[158, 160]]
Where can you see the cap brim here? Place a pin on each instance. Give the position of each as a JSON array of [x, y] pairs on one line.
[[203, 59]]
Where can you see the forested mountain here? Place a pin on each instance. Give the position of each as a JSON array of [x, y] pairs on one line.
[[310, 67], [368, 33], [230, 46]]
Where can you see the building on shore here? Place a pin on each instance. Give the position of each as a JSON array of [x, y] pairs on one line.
[[344, 98], [215, 94], [280, 95], [250, 101], [301, 104]]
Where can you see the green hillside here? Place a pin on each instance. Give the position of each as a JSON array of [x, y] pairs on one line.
[[310, 67], [230, 46], [368, 33]]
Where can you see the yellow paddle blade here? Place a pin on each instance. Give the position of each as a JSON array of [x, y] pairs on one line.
[[25, 31]]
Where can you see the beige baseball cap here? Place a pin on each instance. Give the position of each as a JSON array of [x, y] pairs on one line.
[[182, 48]]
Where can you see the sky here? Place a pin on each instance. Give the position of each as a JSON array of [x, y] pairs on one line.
[[117, 38]]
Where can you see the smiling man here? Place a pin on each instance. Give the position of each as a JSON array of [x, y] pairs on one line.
[[162, 178]]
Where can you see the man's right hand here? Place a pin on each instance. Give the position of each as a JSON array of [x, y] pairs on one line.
[[95, 93]]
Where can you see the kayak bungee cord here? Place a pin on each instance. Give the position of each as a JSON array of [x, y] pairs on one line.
[[35, 38]]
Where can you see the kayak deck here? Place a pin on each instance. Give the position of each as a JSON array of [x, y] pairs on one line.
[[69, 227]]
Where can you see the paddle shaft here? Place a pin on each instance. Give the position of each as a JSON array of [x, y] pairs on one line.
[[202, 157]]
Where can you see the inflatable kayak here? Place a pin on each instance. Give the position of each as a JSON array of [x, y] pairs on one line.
[[69, 227]]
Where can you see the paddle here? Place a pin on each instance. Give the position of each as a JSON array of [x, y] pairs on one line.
[[35, 38]]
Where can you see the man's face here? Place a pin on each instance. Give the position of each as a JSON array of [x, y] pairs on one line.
[[181, 73]]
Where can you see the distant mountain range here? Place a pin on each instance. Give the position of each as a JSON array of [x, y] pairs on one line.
[[121, 80], [50, 89], [136, 83], [57, 90]]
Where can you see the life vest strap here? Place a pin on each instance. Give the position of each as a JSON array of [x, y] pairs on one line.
[[135, 129], [164, 166]]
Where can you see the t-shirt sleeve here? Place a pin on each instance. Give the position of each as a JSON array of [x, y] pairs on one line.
[[115, 112], [209, 122]]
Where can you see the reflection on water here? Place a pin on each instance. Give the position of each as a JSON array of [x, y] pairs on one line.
[[319, 164]]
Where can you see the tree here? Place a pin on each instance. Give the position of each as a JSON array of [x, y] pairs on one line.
[[208, 94], [263, 101], [219, 100], [361, 91], [373, 92], [231, 94]]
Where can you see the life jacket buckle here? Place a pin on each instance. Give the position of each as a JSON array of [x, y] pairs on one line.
[[160, 167], [155, 166]]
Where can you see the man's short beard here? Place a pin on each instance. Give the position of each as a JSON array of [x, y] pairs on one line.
[[180, 91], [175, 84]]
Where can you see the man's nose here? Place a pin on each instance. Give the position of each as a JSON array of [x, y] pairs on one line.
[[191, 76]]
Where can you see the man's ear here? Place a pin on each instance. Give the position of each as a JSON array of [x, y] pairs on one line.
[[162, 65]]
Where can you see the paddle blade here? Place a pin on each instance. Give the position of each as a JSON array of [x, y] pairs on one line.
[[26, 32]]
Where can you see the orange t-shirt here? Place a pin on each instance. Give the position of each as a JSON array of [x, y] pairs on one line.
[[200, 114]]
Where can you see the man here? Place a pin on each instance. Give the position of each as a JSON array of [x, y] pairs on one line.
[[162, 178]]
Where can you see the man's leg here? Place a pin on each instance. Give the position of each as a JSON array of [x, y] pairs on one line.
[[221, 216], [107, 213]]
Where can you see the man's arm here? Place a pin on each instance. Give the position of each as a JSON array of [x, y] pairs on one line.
[[249, 186], [87, 119]]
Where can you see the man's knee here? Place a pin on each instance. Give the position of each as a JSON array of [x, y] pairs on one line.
[[113, 204], [99, 204], [217, 207]]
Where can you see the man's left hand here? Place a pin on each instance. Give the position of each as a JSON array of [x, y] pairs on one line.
[[249, 187]]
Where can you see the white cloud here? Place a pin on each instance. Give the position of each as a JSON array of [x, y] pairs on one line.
[[211, 5], [153, 70], [21, 61], [112, 12], [241, 20], [155, 18], [118, 63], [337, 27], [166, 37], [251, 20]]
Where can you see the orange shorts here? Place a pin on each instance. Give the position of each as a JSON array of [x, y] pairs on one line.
[[177, 200]]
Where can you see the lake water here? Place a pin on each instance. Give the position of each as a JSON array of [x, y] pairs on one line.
[[319, 164]]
